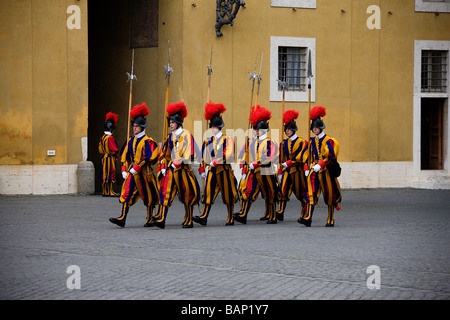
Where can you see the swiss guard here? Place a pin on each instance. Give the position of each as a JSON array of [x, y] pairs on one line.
[[177, 153], [293, 154], [323, 171], [109, 148], [261, 177], [140, 152], [217, 156]]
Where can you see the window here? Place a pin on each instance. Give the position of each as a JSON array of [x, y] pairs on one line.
[[434, 71], [292, 67], [309, 4], [433, 5], [288, 63]]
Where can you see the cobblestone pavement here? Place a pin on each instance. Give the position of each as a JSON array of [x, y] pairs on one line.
[[403, 232]]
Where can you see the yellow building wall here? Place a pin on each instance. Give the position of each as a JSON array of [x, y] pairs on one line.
[[43, 86]]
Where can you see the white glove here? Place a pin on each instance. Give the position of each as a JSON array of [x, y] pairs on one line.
[[163, 171], [317, 167], [173, 166], [132, 171], [203, 174], [251, 166], [284, 164], [243, 177], [307, 173], [212, 164], [280, 176], [124, 174]]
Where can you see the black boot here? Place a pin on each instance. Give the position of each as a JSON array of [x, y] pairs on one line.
[[120, 221]]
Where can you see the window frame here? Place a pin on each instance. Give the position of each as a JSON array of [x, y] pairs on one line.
[[427, 6], [305, 4], [295, 96]]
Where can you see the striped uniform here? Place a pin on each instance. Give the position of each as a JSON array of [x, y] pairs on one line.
[[262, 152], [220, 152], [293, 152], [177, 153], [110, 149], [140, 152], [243, 159], [323, 149]]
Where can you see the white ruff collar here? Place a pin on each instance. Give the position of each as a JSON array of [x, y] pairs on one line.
[[178, 131], [140, 134], [321, 135]]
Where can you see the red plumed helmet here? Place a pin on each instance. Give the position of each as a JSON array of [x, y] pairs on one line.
[[177, 112], [259, 117], [317, 112], [139, 110], [177, 107], [289, 116], [112, 117], [212, 109]]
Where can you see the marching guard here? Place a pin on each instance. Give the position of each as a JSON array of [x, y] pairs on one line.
[[110, 149], [321, 174], [178, 151], [262, 152], [293, 153], [218, 153], [140, 152]]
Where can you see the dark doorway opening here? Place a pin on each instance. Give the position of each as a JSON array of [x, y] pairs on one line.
[[432, 133], [110, 38]]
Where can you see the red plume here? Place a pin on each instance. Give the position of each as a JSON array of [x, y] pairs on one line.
[[212, 109], [316, 112], [113, 117], [177, 107], [259, 114], [139, 110], [289, 116]]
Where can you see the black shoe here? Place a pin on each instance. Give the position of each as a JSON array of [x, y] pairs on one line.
[[330, 224], [272, 221], [242, 220], [307, 223], [160, 225], [301, 220], [263, 218], [190, 225], [229, 223], [199, 220], [120, 223], [280, 216], [149, 224]]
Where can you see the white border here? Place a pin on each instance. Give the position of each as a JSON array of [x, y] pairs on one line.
[[308, 4], [425, 6], [296, 96], [428, 178]]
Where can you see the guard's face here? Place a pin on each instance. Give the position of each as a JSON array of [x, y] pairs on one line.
[[215, 130], [136, 129], [173, 125], [316, 130], [289, 132]]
